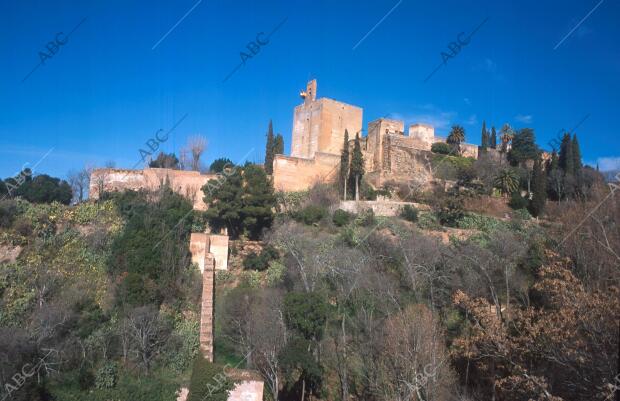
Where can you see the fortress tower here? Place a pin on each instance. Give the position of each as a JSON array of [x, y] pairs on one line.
[[319, 124]]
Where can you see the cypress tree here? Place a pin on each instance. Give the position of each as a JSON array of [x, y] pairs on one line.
[[356, 172], [539, 186], [278, 145], [554, 164], [576, 155], [269, 150], [485, 136], [344, 166], [493, 138], [567, 161]]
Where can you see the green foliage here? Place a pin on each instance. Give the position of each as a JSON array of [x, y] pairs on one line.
[[275, 273], [220, 164], [344, 164], [567, 157], [441, 147], [517, 201], [208, 381], [493, 139], [539, 187], [261, 261], [507, 180], [307, 313], [450, 211], [107, 375], [522, 214], [409, 213], [8, 211], [366, 218], [165, 160], [428, 221], [240, 200], [299, 365], [180, 356], [341, 217], [356, 167], [251, 279], [523, 146], [311, 214], [223, 276], [45, 189], [479, 222], [269, 150], [278, 145]]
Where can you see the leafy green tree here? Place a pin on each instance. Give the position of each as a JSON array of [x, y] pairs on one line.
[[269, 149], [507, 180], [523, 147], [539, 186], [278, 145], [456, 137], [220, 164], [45, 189], [344, 166], [303, 374], [576, 155], [484, 141], [567, 157], [356, 170], [306, 313], [240, 200], [441, 148], [506, 135], [165, 160], [208, 382], [493, 139]]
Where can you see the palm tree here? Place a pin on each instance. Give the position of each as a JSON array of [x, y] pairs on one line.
[[456, 137], [507, 133], [507, 181]]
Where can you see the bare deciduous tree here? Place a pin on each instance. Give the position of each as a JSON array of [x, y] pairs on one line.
[[79, 181], [196, 145], [148, 334]]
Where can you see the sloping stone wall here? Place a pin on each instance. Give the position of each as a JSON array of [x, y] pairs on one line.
[[379, 208], [206, 310]]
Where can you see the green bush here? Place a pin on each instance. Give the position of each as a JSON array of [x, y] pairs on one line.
[[428, 221], [251, 279], [311, 214], [223, 276], [260, 262], [107, 375], [482, 223], [517, 201], [275, 273], [366, 218], [441, 148], [8, 211], [451, 211], [409, 213], [522, 214], [341, 217], [208, 382]]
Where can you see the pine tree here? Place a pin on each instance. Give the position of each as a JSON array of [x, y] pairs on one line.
[[493, 141], [344, 166], [576, 155], [539, 186], [567, 161], [278, 145], [269, 150], [356, 172], [485, 136], [554, 164]]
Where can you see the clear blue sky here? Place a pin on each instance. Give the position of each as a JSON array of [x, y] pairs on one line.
[[106, 91]]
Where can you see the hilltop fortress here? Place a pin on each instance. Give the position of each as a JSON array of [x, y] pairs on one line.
[[318, 135], [319, 127]]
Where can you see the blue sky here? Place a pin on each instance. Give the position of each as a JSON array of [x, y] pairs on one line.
[[106, 91]]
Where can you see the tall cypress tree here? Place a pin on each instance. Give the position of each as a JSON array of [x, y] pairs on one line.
[[539, 186], [485, 136], [269, 150], [567, 160], [493, 141], [278, 145], [344, 166], [576, 155], [356, 172]]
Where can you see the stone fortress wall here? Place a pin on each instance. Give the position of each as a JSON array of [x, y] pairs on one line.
[[186, 183], [318, 133]]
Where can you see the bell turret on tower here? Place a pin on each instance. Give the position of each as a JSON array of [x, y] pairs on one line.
[[309, 95]]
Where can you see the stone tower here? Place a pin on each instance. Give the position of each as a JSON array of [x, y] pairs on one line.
[[319, 124]]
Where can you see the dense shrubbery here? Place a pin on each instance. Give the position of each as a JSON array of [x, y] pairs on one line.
[[341, 217], [208, 382], [261, 261], [441, 148], [311, 214], [517, 201], [409, 213]]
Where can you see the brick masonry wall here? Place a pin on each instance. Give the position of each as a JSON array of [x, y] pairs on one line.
[[206, 311]]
